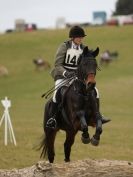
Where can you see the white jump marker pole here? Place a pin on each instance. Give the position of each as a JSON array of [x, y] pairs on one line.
[[8, 125]]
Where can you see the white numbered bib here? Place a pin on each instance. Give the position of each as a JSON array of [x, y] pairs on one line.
[[72, 57]]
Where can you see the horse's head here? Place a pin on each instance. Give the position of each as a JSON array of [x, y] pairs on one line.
[[88, 65]]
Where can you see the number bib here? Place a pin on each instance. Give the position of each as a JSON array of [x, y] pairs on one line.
[[72, 56]]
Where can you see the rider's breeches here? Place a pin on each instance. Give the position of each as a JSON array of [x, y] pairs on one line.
[[60, 82]]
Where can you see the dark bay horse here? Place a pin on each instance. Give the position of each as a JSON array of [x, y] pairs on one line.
[[78, 109]]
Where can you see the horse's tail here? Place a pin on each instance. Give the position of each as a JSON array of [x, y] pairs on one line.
[[43, 147], [43, 143]]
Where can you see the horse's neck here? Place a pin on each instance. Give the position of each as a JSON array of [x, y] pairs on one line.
[[79, 86]]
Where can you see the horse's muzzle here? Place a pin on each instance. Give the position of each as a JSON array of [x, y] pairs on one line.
[[90, 79]]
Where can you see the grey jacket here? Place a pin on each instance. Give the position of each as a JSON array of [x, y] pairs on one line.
[[57, 71]]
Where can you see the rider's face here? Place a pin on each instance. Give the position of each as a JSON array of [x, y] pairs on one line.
[[78, 40]]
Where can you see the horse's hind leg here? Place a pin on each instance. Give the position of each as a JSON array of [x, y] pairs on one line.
[[50, 135], [70, 137], [50, 139]]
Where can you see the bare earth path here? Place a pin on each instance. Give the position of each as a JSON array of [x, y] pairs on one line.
[[81, 168]]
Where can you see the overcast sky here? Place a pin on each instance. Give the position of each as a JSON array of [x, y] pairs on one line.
[[45, 12]]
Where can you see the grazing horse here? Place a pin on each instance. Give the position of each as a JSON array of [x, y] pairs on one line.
[[41, 64], [77, 109], [3, 71], [107, 57]]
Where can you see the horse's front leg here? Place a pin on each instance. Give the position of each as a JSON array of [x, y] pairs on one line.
[[70, 137], [96, 137], [84, 127]]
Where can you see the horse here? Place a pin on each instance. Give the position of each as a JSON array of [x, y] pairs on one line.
[[77, 110], [3, 71], [107, 57], [41, 64]]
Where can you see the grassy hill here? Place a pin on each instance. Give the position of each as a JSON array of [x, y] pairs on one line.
[[24, 87]]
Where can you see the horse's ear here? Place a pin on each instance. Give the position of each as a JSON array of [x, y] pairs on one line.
[[95, 52], [85, 51]]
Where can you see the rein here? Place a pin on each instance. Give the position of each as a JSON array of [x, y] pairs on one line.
[[50, 91]]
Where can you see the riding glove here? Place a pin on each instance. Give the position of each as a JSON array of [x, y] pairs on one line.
[[69, 74]]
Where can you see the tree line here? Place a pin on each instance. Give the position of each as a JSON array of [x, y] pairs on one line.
[[123, 7]]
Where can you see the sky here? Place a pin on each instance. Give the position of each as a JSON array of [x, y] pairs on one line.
[[45, 12]]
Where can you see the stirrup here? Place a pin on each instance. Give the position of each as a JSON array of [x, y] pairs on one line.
[[51, 123]]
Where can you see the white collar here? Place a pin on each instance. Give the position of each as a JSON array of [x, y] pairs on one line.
[[75, 46]]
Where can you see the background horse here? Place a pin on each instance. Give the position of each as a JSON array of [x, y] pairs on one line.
[[77, 110], [41, 64], [107, 57]]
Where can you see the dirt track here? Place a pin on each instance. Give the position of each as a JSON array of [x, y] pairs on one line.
[[81, 168]]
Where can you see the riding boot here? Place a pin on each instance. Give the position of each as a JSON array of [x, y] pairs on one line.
[[52, 123], [103, 119]]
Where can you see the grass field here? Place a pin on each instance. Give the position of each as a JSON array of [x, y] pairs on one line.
[[24, 87]]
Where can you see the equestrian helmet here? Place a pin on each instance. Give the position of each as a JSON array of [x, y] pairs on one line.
[[76, 31]]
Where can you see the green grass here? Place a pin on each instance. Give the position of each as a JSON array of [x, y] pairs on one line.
[[24, 87]]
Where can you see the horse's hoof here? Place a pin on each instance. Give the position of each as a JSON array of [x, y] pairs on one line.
[[67, 160], [94, 141], [85, 140]]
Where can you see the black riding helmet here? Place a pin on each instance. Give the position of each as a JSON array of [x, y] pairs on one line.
[[76, 31]]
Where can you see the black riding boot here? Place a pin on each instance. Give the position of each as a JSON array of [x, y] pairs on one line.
[[51, 123], [104, 120]]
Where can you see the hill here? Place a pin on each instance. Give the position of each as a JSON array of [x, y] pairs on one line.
[[24, 87]]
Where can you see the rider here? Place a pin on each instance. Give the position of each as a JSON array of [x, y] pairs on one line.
[[65, 64]]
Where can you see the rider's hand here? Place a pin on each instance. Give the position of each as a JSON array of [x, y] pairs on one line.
[[69, 74]]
